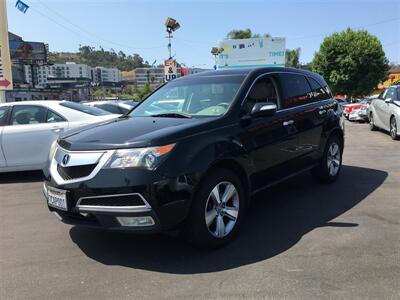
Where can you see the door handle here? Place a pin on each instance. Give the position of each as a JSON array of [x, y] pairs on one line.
[[57, 129], [287, 123]]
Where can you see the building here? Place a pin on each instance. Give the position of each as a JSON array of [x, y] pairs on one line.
[[394, 77], [42, 74], [70, 70], [106, 75], [153, 76]]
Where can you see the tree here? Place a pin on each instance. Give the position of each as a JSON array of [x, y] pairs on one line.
[[292, 58], [353, 62], [244, 34]]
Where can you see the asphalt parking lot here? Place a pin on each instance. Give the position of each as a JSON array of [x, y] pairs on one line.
[[301, 240]]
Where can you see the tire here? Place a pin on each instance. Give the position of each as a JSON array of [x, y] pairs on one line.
[[223, 223], [330, 165], [371, 123], [393, 128]]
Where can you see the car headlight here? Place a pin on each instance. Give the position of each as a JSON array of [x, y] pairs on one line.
[[53, 149], [149, 158]]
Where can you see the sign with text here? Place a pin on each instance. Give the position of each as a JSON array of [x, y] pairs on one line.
[[5, 61], [170, 70], [254, 52]]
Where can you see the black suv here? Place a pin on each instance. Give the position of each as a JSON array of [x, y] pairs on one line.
[[191, 155]]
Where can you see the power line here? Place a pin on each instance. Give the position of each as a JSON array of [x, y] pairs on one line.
[[298, 37], [88, 33]]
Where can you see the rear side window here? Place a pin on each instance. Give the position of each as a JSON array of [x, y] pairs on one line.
[[52, 117], [296, 90], [3, 115], [318, 92], [398, 94], [28, 114], [114, 109], [94, 111]]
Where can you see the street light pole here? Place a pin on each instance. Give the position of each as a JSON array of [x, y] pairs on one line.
[[171, 26], [216, 51]]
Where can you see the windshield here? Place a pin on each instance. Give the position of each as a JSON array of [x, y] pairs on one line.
[[198, 96], [94, 111]]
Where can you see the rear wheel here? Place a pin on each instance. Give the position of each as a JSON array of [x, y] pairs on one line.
[[372, 126], [217, 210], [393, 128], [330, 165]]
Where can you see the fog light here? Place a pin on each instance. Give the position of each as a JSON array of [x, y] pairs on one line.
[[136, 221]]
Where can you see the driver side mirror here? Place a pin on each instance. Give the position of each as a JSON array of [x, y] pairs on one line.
[[388, 100], [263, 109]]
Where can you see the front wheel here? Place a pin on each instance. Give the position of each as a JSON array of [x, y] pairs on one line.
[[330, 165], [217, 210], [371, 123], [393, 129]]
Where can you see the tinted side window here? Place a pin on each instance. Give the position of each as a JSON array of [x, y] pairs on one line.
[[390, 94], [318, 92], [398, 94], [263, 90], [52, 117], [296, 90], [85, 109], [3, 115], [28, 114], [109, 107]]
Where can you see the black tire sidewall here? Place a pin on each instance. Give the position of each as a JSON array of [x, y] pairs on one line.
[[321, 173], [371, 122], [395, 137], [196, 230]]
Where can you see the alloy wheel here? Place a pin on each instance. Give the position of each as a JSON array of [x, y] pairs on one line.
[[333, 159], [222, 209]]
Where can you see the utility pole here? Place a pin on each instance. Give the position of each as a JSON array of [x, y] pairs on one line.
[[5, 61]]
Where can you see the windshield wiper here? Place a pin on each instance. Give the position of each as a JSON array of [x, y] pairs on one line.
[[173, 115]]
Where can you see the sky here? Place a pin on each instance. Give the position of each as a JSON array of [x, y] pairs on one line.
[[138, 26]]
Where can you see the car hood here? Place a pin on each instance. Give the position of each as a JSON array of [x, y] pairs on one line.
[[131, 132]]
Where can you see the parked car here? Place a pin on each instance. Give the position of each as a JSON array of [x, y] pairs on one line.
[[348, 108], [119, 107], [384, 111], [359, 112], [195, 166], [28, 128]]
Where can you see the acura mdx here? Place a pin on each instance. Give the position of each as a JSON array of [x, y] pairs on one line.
[[191, 155]]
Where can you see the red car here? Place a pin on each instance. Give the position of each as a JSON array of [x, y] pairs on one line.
[[348, 108]]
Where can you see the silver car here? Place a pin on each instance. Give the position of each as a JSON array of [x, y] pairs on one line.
[[384, 111]]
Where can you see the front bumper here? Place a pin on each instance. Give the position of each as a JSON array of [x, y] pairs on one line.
[[165, 200]]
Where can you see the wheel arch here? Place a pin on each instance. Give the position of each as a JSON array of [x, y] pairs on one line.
[[235, 167]]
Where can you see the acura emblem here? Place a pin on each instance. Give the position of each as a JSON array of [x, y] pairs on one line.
[[65, 159]]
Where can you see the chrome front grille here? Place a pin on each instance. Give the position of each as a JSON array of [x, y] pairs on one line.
[[75, 166], [68, 173]]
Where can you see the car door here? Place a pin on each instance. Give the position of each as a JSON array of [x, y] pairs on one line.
[[307, 99], [379, 106], [390, 96], [271, 140], [3, 119], [28, 136]]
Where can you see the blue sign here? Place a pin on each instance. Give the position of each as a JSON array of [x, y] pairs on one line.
[[21, 6]]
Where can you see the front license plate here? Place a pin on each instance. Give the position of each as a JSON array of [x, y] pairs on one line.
[[57, 198]]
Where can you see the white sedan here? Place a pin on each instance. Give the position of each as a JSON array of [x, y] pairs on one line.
[[384, 111], [28, 128]]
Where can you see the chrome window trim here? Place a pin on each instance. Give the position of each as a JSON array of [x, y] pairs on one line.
[[105, 156], [280, 72], [102, 208]]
